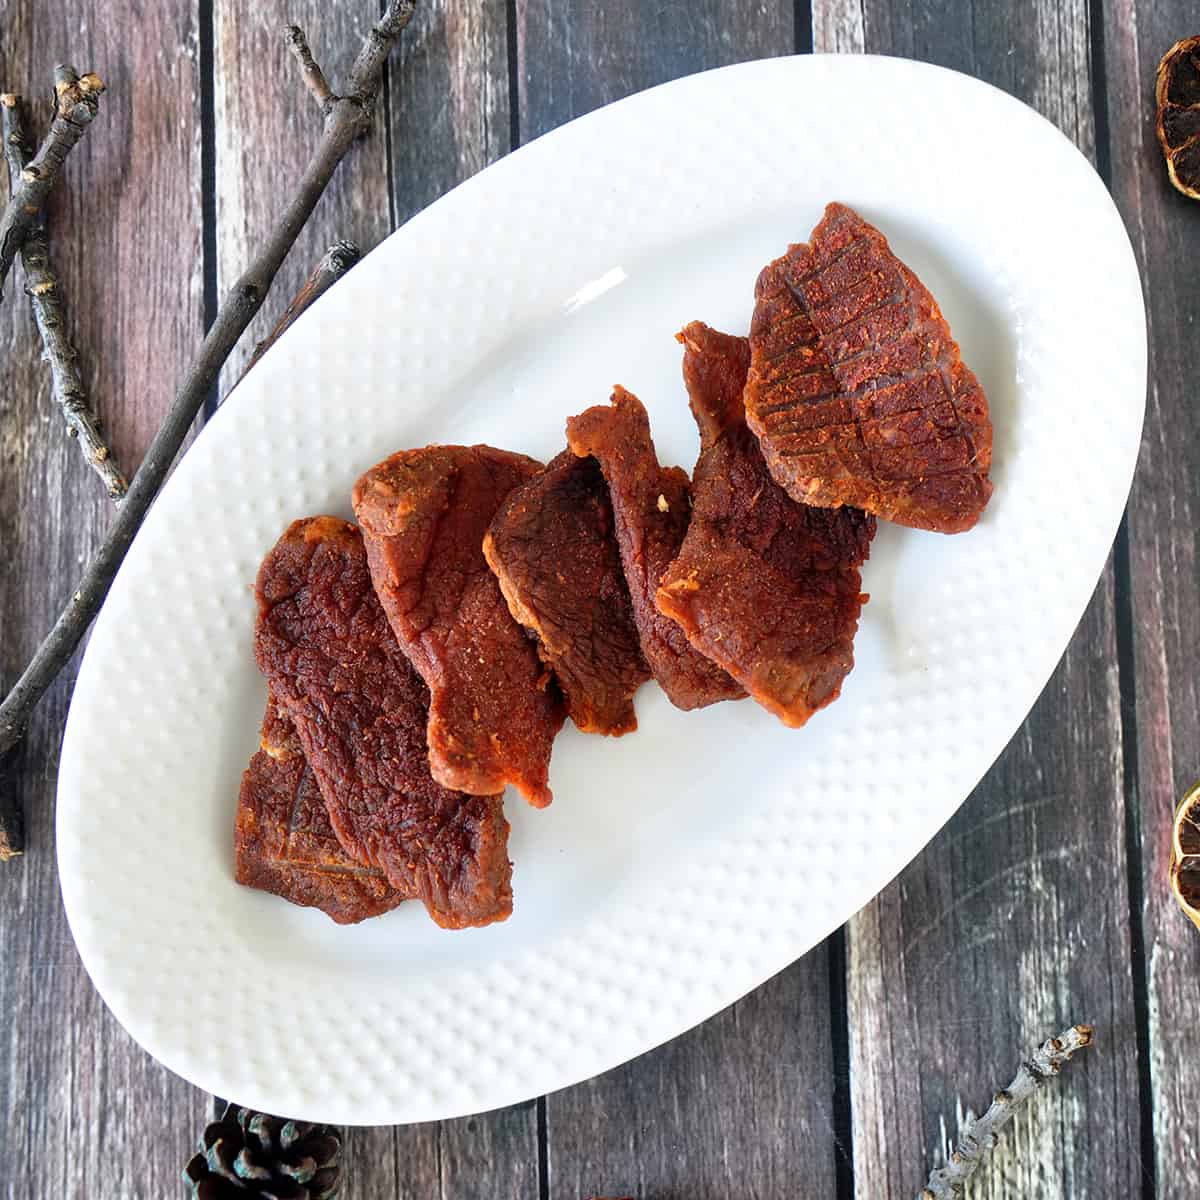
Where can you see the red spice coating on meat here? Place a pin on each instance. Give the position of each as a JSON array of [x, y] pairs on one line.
[[552, 549], [651, 506], [766, 587], [495, 709], [284, 843], [857, 391], [359, 709]]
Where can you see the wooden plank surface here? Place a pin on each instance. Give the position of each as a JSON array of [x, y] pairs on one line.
[[1017, 917], [1163, 570], [576, 55], [741, 1106], [449, 99], [266, 127], [1015, 920], [83, 1111]]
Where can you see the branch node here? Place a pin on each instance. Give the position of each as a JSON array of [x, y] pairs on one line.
[[313, 76], [982, 1134], [76, 103], [399, 13], [41, 286], [65, 78], [335, 262]]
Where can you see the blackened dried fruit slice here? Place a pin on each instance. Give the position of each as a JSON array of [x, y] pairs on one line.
[[1177, 114], [1185, 854]]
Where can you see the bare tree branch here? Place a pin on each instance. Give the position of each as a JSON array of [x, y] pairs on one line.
[[314, 77], [347, 118], [981, 1134], [335, 262], [42, 287], [77, 101]]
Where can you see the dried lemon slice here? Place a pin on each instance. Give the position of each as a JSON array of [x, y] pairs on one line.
[[1177, 114], [1185, 854]]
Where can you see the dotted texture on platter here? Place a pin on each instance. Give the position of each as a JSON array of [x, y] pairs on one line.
[[683, 865]]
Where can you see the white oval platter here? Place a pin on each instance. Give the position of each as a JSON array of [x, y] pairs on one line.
[[681, 866]]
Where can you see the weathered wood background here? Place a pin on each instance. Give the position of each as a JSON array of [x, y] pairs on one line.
[[1041, 902]]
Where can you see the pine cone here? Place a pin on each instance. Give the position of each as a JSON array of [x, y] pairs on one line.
[[249, 1154]]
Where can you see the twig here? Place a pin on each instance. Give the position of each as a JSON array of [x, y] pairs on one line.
[[41, 285], [347, 118], [982, 1133], [77, 101], [12, 813], [335, 262], [314, 77]]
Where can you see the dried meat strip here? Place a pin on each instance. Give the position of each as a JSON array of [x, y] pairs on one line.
[[495, 709], [284, 842], [651, 506], [766, 587], [551, 547], [857, 391], [329, 655]]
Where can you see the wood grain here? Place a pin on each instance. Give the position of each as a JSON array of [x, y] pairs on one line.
[[477, 1158], [1015, 920], [266, 127], [83, 1111], [1163, 568], [741, 1106], [449, 98], [574, 55]]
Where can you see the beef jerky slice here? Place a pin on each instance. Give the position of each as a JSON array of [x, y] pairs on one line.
[[284, 842], [766, 587], [552, 549], [651, 506], [856, 389], [495, 708], [359, 710]]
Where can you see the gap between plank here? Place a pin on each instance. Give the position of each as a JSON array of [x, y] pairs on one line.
[[514, 81], [543, 1151], [208, 222], [839, 1037], [1100, 90], [208, 176], [1126, 685], [390, 120], [1123, 614], [803, 25]]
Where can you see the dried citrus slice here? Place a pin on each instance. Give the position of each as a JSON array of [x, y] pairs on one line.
[[1177, 114], [1185, 854]]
